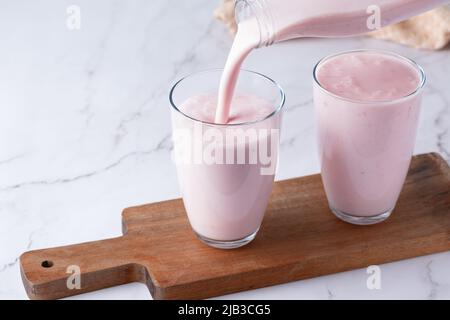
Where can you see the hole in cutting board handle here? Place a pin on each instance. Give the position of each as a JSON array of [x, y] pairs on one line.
[[47, 264]]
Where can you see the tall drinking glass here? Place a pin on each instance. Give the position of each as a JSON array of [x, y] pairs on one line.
[[367, 106], [226, 171]]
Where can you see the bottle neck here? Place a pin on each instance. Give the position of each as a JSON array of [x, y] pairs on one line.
[[258, 10]]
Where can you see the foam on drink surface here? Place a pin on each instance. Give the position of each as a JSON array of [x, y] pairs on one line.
[[368, 76], [244, 108]]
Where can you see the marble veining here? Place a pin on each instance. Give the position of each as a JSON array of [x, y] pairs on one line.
[[85, 129]]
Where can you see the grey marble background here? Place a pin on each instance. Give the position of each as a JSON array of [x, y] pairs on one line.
[[85, 129]]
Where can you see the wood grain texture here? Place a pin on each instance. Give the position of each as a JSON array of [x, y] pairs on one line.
[[299, 239]]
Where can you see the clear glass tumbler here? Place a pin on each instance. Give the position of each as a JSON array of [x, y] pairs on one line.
[[365, 147], [226, 171]]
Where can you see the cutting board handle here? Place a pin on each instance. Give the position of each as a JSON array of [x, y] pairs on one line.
[[71, 270]]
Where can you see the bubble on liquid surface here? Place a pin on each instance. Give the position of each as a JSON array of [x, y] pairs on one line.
[[368, 76], [244, 108]]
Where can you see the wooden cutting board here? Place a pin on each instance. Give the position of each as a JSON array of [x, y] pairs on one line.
[[300, 238]]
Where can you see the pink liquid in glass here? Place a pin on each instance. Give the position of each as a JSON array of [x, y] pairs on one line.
[[367, 109], [227, 201], [319, 18]]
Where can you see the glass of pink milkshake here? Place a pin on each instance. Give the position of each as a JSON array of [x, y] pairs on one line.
[[367, 106], [226, 171]]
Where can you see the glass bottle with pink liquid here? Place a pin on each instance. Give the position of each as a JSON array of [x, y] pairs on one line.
[[279, 20]]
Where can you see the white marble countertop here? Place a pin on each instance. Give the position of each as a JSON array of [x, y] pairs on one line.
[[85, 129]]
